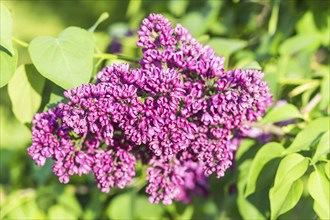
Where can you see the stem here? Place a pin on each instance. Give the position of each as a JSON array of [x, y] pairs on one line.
[[274, 18], [269, 128], [123, 57], [294, 81], [20, 42], [309, 107], [108, 56]]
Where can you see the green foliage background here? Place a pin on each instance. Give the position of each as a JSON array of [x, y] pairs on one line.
[[288, 178]]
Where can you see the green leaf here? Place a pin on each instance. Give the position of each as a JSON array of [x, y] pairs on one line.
[[245, 207], [29, 210], [304, 87], [7, 66], [187, 213], [116, 210], [309, 134], [325, 91], [198, 22], [292, 197], [306, 24], [6, 28], [286, 192], [225, 47], [252, 65], [267, 153], [323, 146], [282, 113], [14, 200], [104, 16], [133, 8], [66, 60], [70, 202], [25, 89], [319, 189], [273, 20], [298, 43], [244, 147], [58, 212], [325, 167], [142, 204], [194, 21], [177, 8]]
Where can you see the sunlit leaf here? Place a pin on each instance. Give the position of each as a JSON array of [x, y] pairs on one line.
[[226, 46], [274, 17], [116, 210], [285, 193], [323, 146], [142, 204], [245, 145], [8, 64], [325, 91], [29, 210], [325, 166], [69, 200], [58, 212], [298, 43], [134, 7], [306, 24], [104, 16], [282, 113], [66, 60], [14, 135], [16, 199], [25, 89], [267, 153], [245, 207], [198, 22], [319, 189], [252, 65], [6, 28], [302, 88], [177, 7], [307, 136]]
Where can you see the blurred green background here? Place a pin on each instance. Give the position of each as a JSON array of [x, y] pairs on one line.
[[289, 39]]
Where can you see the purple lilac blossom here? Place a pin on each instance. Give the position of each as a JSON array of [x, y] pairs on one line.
[[179, 113]]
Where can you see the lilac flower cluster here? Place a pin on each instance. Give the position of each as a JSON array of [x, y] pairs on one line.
[[177, 113]]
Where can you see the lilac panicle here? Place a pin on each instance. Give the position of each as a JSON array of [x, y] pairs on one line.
[[181, 113]]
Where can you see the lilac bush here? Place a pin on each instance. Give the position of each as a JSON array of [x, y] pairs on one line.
[[181, 113]]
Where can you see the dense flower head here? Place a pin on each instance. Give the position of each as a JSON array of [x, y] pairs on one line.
[[180, 113]]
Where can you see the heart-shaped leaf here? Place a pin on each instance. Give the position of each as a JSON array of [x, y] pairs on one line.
[[66, 60]]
